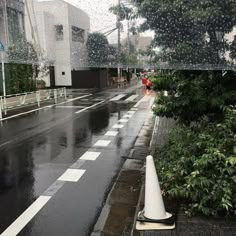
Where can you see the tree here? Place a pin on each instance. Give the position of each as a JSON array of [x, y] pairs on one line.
[[98, 50], [23, 67], [189, 31]]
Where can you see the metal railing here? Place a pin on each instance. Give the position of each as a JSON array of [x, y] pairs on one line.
[[14, 101]]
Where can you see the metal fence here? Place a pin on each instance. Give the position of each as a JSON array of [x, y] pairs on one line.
[[14, 101]]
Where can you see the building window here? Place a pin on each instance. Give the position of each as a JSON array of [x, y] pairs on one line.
[[63, 73], [13, 25], [78, 35], [59, 32]]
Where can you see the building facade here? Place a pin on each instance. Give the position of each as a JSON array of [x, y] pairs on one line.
[[63, 31], [11, 21]]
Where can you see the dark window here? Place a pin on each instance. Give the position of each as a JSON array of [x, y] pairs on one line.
[[63, 73], [78, 34], [59, 32]]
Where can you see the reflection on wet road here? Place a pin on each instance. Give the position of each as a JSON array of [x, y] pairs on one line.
[[57, 165]]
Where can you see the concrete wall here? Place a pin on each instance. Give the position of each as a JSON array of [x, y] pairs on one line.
[[89, 78], [78, 50]]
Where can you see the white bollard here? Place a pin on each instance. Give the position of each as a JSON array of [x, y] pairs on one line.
[[154, 215], [38, 97], [0, 111], [55, 96], [65, 93]]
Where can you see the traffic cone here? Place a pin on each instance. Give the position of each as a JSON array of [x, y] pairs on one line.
[[154, 215]]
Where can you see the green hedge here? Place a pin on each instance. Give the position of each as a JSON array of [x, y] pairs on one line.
[[198, 166]]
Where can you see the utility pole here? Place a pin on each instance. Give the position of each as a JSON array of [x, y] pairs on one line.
[[118, 46], [128, 48]]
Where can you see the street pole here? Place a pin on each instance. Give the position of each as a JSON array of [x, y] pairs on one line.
[[3, 75], [128, 38], [3, 82], [118, 47]]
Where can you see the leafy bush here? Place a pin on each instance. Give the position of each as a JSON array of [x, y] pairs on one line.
[[198, 166], [194, 95]]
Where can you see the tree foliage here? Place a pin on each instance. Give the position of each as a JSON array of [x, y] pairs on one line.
[[98, 50], [22, 70], [189, 31], [197, 166], [194, 95]]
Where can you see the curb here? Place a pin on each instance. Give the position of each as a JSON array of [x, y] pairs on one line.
[[118, 215]]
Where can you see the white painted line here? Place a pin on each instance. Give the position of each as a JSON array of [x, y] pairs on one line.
[[89, 107], [74, 99], [90, 156], [42, 108], [117, 126], [144, 99], [24, 113], [72, 175], [127, 116], [134, 108], [123, 120], [118, 97], [131, 98], [70, 106], [26, 216], [102, 143], [131, 112], [111, 133]]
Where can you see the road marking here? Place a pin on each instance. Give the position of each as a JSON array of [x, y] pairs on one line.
[[117, 126], [123, 120], [53, 188], [26, 216], [77, 164], [70, 106], [131, 112], [102, 143], [134, 108], [90, 156], [127, 116], [77, 112], [144, 99], [74, 99], [118, 97], [72, 175], [131, 98], [42, 108], [111, 133]]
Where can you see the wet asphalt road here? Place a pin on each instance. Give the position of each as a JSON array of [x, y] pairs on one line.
[[36, 149]]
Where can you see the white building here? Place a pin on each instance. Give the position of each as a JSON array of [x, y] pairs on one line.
[[62, 31]]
